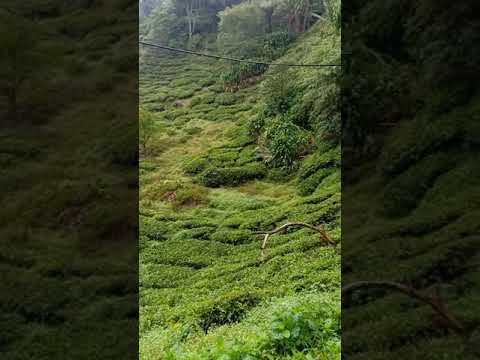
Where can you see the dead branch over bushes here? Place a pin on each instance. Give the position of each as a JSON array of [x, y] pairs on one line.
[[434, 301], [324, 236]]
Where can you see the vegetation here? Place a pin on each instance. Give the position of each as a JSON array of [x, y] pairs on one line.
[[228, 163], [68, 155], [411, 114]]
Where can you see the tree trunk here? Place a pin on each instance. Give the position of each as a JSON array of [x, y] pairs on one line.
[[269, 18], [190, 19], [297, 22]]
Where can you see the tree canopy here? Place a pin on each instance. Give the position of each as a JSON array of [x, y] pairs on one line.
[[196, 22]]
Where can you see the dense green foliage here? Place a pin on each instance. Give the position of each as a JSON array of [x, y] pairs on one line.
[[296, 115], [411, 150], [69, 275], [256, 29], [205, 291], [238, 24]]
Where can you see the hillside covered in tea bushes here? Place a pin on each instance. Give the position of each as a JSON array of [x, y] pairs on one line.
[[227, 153], [410, 202]]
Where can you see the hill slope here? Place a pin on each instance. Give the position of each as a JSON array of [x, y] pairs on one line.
[[69, 190], [411, 205], [205, 190]]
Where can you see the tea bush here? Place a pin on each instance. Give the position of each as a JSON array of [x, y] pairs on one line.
[[226, 310], [232, 236], [238, 74], [231, 176], [202, 266]]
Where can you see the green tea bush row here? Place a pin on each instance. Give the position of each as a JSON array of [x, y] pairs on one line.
[[232, 176], [238, 74]]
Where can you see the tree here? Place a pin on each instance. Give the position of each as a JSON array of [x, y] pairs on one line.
[[299, 14], [180, 21], [146, 7], [191, 10], [147, 128], [242, 28]]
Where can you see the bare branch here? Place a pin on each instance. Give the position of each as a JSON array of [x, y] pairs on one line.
[[433, 300], [324, 236]]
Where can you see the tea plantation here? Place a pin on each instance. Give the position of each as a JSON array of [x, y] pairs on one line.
[[206, 188]]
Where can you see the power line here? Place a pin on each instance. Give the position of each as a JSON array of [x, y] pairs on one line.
[[230, 58]]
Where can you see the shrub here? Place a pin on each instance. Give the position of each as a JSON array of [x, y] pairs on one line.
[[196, 165], [285, 141], [227, 310], [193, 130], [404, 193], [152, 229], [190, 196], [182, 93], [200, 233], [222, 156], [214, 158], [232, 236], [248, 154], [325, 112], [280, 93], [256, 124], [226, 99], [240, 137], [146, 129], [215, 177], [319, 160], [238, 74], [275, 44], [309, 185], [208, 98], [303, 327]]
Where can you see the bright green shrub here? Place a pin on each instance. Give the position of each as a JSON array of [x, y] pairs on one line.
[[222, 156], [228, 309], [285, 141], [237, 75], [232, 236], [316, 168], [247, 155], [303, 327], [193, 130], [310, 184], [324, 108], [208, 98], [240, 137], [196, 165], [256, 124], [232, 176], [191, 195], [319, 160], [200, 233], [280, 93], [152, 229], [226, 99], [184, 94]]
